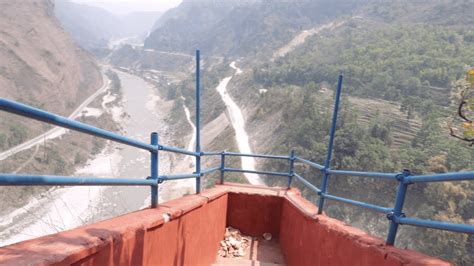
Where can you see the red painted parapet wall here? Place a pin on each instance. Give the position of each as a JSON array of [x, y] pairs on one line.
[[310, 239], [191, 237], [197, 224]]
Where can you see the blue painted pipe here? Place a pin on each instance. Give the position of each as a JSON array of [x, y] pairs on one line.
[[52, 180], [257, 155], [210, 170], [395, 215], [308, 184], [255, 172], [358, 203], [177, 176], [222, 167], [310, 163], [332, 134], [460, 228], [50, 118], [291, 170], [213, 153], [440, 177], [364, 174], [198, 121], [397, 211], [154, 170], [177, 150]]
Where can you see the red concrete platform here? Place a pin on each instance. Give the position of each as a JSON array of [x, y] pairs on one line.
[[196, 226]]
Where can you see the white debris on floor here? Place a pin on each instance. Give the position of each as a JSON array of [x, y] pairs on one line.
[[267, 236], [234, 244]]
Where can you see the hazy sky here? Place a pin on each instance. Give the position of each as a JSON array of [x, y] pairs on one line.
[[127, 6]]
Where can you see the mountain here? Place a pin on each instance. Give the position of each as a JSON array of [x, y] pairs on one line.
[[400, 60], [237, 28], [41, 66], [89, 26], [93, 28]]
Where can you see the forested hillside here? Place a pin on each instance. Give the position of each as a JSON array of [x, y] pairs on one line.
[[413, 61], [238, 28], [393, 62], [401, 61]]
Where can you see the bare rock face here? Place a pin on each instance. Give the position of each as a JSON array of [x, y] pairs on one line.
[[40, 63], [234, 244]]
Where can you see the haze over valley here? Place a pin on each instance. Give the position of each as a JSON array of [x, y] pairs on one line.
[[269, 72]]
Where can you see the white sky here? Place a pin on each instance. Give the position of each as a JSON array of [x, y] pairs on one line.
[[127, 6]]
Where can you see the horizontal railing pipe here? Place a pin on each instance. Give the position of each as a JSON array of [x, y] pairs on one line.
[[364, 174], [440, 177], [213, 153], [358, 203], [282, 157], [255, 172], [210, 170], [177, 176], [461, 228], [307, 183], [178, 150], [52, 180], [310, 163], [50, 118]]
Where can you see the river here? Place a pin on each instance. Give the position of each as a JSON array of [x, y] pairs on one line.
[[65, 208]]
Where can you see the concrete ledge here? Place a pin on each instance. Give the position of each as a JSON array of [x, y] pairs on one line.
[[196, 226], [139, 238], [327, 241]]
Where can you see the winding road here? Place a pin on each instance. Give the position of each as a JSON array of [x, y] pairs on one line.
[[238, 123]]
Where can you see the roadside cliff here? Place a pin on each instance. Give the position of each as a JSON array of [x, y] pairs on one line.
[[41, 66]]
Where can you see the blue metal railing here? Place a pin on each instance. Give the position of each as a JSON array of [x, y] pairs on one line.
[[198, 120], [395, 215]]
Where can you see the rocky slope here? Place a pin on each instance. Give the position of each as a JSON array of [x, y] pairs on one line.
[[41, 66]]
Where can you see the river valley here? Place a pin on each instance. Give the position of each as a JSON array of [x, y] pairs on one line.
[[141, 112]]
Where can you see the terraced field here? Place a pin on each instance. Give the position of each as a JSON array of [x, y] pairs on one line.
[[403, 129]]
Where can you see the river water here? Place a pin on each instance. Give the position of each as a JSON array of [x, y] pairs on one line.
[[69, 207]]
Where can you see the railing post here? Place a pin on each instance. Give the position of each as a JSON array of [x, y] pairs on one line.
[[222, 166], [291, 171], [154, 170], [331, 142], [198, 122], [398, 210]]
